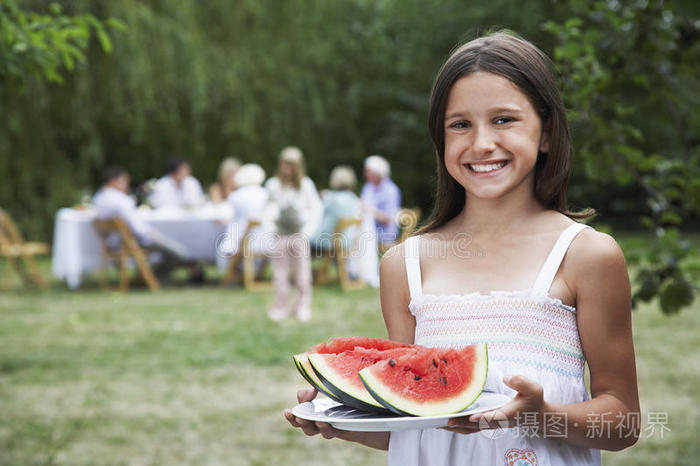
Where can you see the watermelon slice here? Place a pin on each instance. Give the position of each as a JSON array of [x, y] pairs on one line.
[[339, 374], [336, 346], [428, 382], [304, 367]]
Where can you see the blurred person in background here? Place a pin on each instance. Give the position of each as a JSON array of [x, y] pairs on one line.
[[295, 208], [225, 183], [338, 202], [178, 189], [248, 202], [381, 198], [113, 200]]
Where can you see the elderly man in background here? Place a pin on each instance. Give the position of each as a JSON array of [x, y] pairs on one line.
[[112, 200], [178, 189], [381, 198]]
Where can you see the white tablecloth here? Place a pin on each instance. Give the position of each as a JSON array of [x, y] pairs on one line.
[[77, 250]]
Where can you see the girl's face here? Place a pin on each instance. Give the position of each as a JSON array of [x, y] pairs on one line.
[[288, 169], [492, 137]]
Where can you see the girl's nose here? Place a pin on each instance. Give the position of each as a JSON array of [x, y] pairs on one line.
[[484, 140]]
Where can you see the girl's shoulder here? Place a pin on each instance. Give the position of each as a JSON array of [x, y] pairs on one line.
[[593, 249], [393, 261], [594, 262]]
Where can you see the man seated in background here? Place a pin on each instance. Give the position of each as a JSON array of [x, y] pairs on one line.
[[112, 200], [178, 188]]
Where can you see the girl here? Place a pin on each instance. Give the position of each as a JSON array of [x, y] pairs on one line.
[[500, 223], [296, 209]]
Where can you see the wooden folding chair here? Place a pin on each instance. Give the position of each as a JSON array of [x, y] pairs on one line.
[[128, 249], [245, 259], [341, 254], [408, 221], [20, 254]]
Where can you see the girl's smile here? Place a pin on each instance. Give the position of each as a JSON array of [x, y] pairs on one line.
[[487, 168], [492, 136]]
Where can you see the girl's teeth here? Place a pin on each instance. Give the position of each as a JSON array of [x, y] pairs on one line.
[[487, 168]]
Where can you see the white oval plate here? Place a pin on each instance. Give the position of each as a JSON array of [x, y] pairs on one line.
[[347, 418]]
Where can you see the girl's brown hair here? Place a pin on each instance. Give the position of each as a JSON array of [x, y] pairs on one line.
[[294, 156], [526, 66]]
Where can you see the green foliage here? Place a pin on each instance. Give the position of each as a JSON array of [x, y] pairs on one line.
[[41, 44], [631, 78]]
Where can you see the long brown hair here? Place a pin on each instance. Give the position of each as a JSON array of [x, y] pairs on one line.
[[294, 156], [508, 55]]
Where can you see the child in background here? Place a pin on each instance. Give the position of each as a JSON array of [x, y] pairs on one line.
[[295, 208], [503, 261]]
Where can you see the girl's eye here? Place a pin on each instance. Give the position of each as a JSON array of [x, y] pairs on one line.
[[460, 124], [503, 120]]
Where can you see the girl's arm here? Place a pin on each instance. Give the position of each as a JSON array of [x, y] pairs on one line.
[[395, 296], [594, 269], [400, 325], [610, 420]]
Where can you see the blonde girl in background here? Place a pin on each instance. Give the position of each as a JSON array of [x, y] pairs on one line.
[[295, 211]]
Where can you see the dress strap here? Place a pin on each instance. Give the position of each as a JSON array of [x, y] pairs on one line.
[[556, 255], [411, 256]]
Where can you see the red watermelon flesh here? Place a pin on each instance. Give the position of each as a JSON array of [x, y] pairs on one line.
[[335, 346], [341, 344], [429, 382], [339, 374]]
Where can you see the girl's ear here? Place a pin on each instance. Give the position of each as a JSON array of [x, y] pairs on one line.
[[544, 140]]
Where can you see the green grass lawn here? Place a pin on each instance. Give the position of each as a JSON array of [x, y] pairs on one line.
[[200, 376]]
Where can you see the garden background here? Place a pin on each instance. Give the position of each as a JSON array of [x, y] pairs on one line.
[[88, 83]]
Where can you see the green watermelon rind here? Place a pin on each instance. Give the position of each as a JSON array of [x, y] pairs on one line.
[[311, 377], [399, 406], [300, 368], [325, 373]]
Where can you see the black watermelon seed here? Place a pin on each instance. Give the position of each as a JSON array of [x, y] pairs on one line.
[[434, 363], [416, 377], [443, 380], [392, 363], [444, 360]]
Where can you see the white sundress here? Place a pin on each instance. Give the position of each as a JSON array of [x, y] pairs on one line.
[[528, 333]]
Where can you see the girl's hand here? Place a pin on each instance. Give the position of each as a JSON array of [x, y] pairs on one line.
[[528, 400], [310, 427]]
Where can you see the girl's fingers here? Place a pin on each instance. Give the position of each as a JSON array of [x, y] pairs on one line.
[[306, 394], [326, 430], [462, 422], [308, 427], [523, 385], [291, 418]]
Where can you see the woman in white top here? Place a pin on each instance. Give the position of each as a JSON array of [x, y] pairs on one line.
[[296, 210]]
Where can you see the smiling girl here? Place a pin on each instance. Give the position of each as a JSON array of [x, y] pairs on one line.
[[503, 261]]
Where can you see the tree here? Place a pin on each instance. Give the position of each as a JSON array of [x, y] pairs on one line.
[[630, 73], [40, 45]]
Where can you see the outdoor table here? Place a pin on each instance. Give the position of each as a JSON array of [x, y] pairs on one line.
[[77, 250]]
